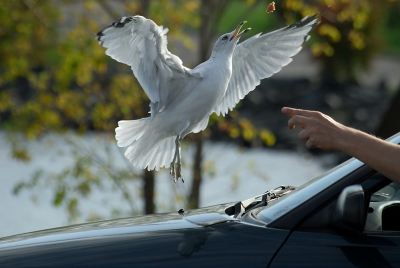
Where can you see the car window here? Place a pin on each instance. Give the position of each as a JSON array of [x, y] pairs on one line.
[[384, 209]]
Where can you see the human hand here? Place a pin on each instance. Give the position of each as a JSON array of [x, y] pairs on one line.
[[319, 130]]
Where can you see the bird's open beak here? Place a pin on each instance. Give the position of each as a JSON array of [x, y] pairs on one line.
[[237, 34]]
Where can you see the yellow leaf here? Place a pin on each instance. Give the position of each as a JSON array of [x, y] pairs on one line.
[[331, 31], [234, 132], [268, 137]]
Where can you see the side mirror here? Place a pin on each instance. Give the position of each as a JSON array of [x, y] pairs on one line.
[[349, 213]]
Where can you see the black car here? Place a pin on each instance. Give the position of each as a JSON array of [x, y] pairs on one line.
[[347, 217]]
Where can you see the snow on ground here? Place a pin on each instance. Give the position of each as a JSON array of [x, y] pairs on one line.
[[232, 174]]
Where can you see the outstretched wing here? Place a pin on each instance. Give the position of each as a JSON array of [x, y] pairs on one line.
[[260, 57], [142, 44]]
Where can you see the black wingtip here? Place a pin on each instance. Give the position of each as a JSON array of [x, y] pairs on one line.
[[121, 22], [306, 21], [117, 24], [303, 22]]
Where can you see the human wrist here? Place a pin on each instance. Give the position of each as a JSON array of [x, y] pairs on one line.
[[347, 139]]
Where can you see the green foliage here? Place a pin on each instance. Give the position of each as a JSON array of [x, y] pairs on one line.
[[391, 29], [348, 35]]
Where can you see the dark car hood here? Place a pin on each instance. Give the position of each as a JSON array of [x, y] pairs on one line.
[[200, 238], [157, 222]]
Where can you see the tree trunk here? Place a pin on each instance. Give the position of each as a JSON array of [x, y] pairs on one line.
[[148, 190], [194, 198], [390, 123]]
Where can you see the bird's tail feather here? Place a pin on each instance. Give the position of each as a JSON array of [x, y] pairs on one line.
[[153, 155], [146, 149], [129, 131]]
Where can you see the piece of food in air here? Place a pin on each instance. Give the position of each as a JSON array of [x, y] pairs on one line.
[[271, 7]]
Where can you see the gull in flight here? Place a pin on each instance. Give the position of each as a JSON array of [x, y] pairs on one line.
[[182, 99]]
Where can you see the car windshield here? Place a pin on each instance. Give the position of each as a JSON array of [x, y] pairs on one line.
[[281, 206]]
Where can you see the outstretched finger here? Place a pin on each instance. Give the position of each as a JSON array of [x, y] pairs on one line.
[[292, 112]]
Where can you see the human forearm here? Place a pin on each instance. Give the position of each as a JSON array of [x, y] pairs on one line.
[[378, 154], [321, 131]]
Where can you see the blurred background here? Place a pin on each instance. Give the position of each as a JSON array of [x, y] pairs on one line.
[[61, 98]]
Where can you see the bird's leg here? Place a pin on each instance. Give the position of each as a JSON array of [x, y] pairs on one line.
[[175, 168], [172, 165], [172, 169], [178, 164]]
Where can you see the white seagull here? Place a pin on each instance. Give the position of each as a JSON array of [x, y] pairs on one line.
[[182, 99]]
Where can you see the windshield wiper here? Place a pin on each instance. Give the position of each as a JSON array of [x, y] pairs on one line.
[[246, 205]]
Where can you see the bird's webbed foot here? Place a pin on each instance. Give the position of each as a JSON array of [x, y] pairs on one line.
[[176, 171]]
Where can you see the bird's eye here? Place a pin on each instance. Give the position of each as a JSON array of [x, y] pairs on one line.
[[225, 37]]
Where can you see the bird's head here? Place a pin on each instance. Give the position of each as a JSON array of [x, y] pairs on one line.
[[226, 43]]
